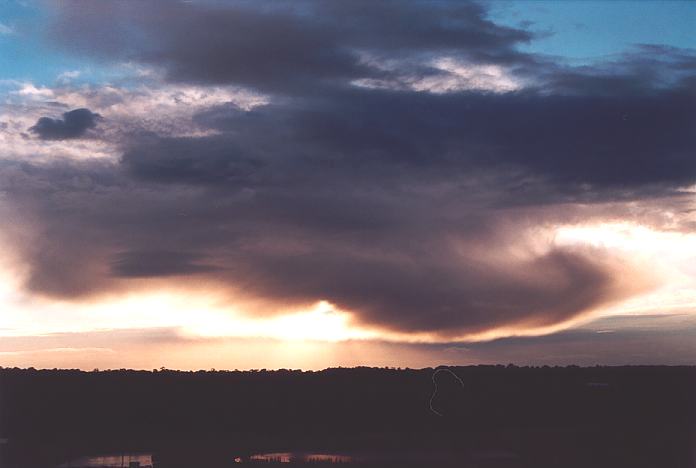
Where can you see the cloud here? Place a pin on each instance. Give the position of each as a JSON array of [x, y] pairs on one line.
[[398, 258], [421, 200], [447, 76], [68, 75], [28, 89], [185, 160], [606, 142], [286, 46], [74, 124], [127, 110], [641, 70], [465, 295], [157, 264], [6, 30]]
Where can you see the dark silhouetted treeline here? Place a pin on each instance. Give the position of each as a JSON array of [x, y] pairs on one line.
[[565, 417]]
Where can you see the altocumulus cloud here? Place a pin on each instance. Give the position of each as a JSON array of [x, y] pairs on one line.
[[417, 211]]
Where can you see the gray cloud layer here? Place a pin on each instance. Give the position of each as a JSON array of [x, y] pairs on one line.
[[411, 209]]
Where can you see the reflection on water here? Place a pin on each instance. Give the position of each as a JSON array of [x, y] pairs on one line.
[[284, 457], [126, 460], [488, 458], [425, 458], [296, 457], [321, 457]]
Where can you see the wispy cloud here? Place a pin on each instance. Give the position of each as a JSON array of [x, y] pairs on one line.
[[6, 30]]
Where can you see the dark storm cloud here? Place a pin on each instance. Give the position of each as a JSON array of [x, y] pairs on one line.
[[284, 46], [639, 71], [74, 124], [412, 209], [620, 125], [416, 290], [620, 141], [401, 259], [191, 160], [157, 264]]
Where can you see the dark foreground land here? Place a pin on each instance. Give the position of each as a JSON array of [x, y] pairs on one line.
[[501, 416]]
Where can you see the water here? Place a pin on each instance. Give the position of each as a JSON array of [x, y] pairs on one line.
[[298, 457], [387, 458]]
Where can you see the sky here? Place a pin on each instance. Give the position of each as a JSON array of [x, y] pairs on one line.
[[308, 184]]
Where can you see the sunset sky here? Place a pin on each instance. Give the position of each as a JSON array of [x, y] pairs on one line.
[[307, 184]]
